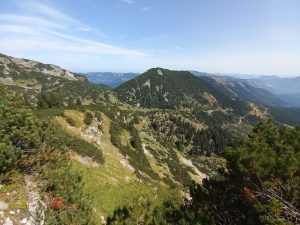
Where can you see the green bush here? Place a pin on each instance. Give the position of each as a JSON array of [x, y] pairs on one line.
[[135, 153], [259, 186], [59, 137], [49, 100], [10, 158], [88, 118], [20, 134], [63, 188]]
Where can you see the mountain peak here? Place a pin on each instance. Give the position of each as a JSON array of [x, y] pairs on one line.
[[167, 89]]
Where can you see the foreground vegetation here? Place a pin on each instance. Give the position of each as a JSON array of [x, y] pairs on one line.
[[261, 185], [29, 147], [145, 165]]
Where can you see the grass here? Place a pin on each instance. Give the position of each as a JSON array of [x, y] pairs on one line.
[[168, 164], [112, 184], [17, 198], [75, 116], [25, 82], [125, 137], [71, 138], [110, 190]]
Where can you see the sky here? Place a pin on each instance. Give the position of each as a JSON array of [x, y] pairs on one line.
[[224, 36]]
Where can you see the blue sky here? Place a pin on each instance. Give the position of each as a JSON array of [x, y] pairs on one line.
[[227, 36]]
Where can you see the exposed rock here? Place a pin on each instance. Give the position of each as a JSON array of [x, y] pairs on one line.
[[87, 161], [103, 221], [126, 164], [34, 202], [24, 221], [189, 163], [8, 221], [3, 206], [160, 72]]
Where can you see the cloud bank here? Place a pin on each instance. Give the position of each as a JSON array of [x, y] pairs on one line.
[[43, 27]]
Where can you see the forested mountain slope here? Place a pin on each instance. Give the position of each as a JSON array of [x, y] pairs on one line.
[[161, 88], [180, 90]]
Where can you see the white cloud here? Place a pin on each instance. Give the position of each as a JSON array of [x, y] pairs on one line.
[[41, 27], [29, 20], [128, 1], [146, 8]]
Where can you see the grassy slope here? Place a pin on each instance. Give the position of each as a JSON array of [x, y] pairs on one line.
[[112, 184]]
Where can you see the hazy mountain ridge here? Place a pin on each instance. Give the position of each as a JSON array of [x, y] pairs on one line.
[[286, 89], [242, 89], [110, 79], [277, 85]]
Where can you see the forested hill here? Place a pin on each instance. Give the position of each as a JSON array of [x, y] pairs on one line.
[[181, 90], [161, 88]]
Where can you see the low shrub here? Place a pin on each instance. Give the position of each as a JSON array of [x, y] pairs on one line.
[[88, 118]]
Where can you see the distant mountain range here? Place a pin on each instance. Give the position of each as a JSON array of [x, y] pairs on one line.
[[284, 89], [109, 79], [242, 89], [287, 89], [277, 85]]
